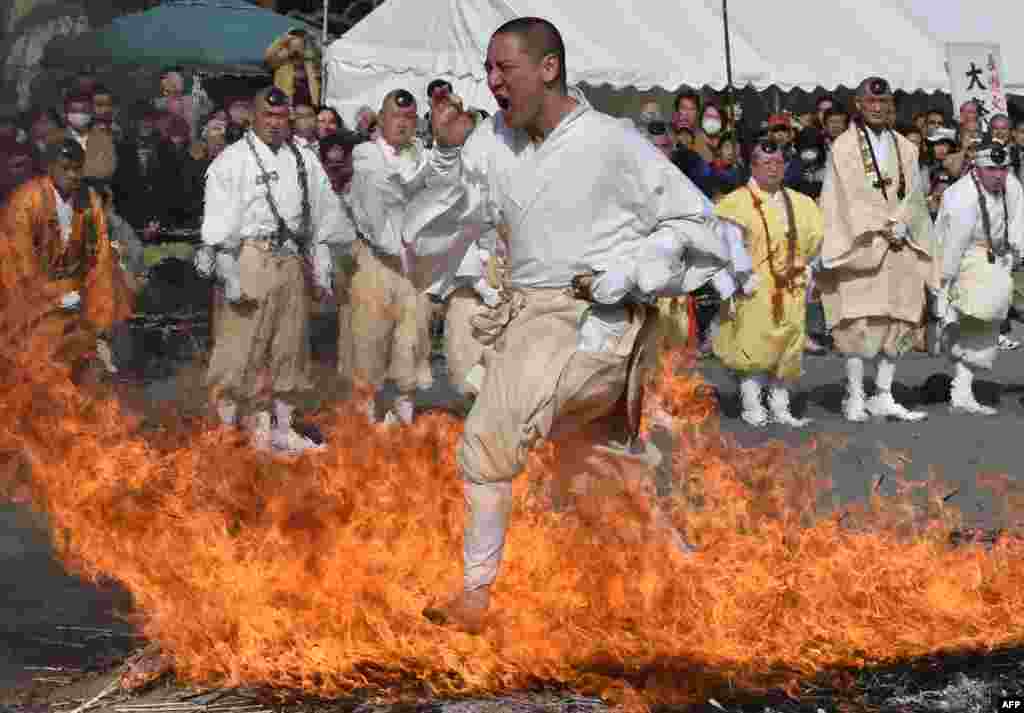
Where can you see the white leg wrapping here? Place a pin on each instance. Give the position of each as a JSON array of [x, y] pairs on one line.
[[283, 415], [259, 429], [882, 404], [284, 438], [961, 398], [487, 509], [754, 411], [227, 411], [853, 405], [401, 412], [778, 401]]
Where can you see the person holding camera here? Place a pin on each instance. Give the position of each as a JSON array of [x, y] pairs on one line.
[[293, 60], [270, 219]]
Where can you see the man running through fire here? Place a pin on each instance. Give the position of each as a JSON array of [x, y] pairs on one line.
[[599, 224]]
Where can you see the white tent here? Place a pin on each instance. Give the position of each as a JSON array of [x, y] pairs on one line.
[[407, 43], [654, 43]]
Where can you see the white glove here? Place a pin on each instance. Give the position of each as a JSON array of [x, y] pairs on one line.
[[230, 275], [943, 310], [71, 301], [490, 296], [323, 267], [205, 262], [611, 287], [658, 262]]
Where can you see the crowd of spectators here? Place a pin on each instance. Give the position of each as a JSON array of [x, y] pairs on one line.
[[151, 156]]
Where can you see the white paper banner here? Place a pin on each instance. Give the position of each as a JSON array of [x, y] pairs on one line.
[[976, 72]]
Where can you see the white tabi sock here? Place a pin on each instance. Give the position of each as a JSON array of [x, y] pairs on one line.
[[283, 416], [487, 510], [882, 404], [853, 404], [751, 388], [961, 396], [405, 408], [885, 374], [778, 401]]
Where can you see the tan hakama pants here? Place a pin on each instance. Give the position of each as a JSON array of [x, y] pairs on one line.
[[390, 323], [343, 293], [870, 337], [261, 346], [462, 349], [538, 385]]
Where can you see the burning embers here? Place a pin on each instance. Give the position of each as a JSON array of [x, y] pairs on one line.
[[312, 574]]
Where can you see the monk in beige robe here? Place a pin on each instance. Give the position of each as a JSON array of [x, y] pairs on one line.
[[878, 252]]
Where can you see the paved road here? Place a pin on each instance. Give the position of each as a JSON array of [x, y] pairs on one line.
[[959, 447], [36, 597]]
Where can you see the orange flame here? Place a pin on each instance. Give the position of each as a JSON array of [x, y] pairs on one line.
[[312, 574]]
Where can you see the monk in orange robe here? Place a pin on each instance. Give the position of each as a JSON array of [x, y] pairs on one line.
[[59, 275]]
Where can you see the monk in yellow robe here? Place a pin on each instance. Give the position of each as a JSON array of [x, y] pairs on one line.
[[56, 250], [762, 336], [878, 254]]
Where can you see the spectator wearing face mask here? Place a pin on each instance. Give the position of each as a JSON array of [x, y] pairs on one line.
[[712, 126], [100, 156]]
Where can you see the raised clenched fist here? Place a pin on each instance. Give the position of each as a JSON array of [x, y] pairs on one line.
[[449, 123]]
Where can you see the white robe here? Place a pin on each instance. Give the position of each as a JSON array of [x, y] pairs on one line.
[[237, 209], [383, 183], [589, 198], [979, 292]]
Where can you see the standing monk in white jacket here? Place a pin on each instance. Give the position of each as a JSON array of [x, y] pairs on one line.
[[390, 317], [599, 222], [269, 220]]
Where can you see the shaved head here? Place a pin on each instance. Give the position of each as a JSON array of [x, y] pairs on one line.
[[540, 38], [272, 117]]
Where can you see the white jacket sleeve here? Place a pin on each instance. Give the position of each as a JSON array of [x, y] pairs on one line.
[[1015, 206], [222, 211], [683, 250], [331, 226], [954, 226], [448, 215]]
